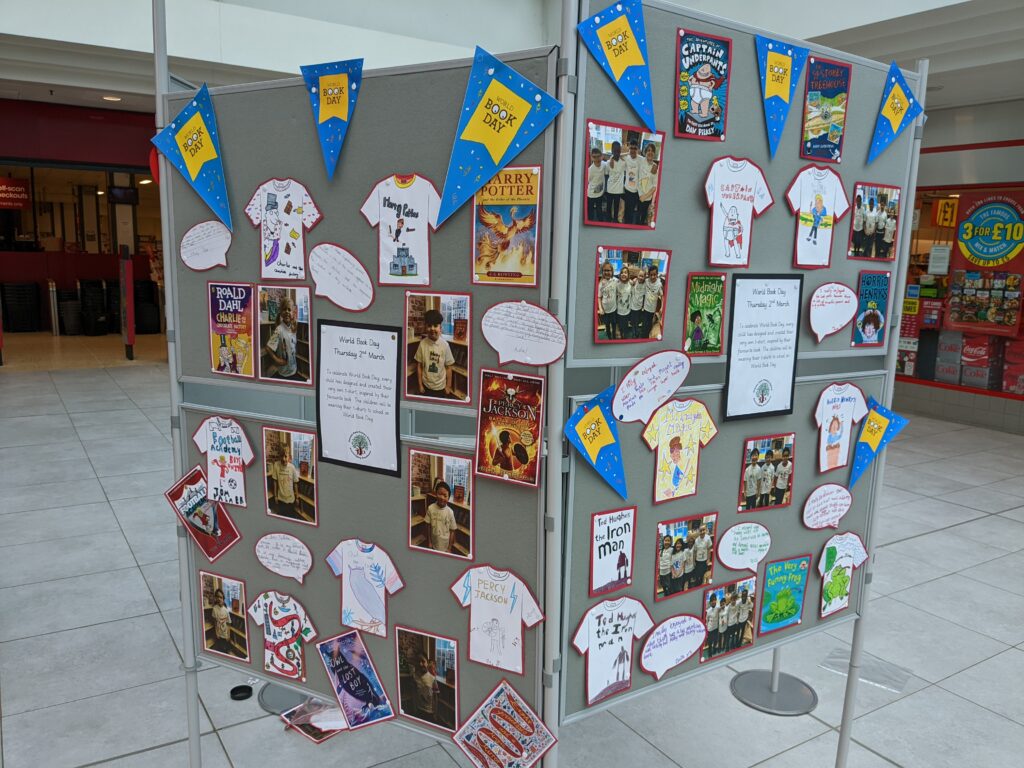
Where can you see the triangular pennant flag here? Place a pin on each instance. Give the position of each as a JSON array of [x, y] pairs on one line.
[[593, 431], [502, 113], [899, 108], [781, 65], [880, 426], [192, 145], [617, 40], [333, 90]]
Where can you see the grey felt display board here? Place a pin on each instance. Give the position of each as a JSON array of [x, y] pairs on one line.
[[720, 471], [683, 213], [404, 122]]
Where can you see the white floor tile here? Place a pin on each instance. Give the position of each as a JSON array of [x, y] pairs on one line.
[[52, 495], [604, 741], [57, 523], [991, 684], [174, 756], [153, 543], [215, 684], [820, 752], [983, 498], [163, 581], [142, 484], [78, 555], [993, 530], [947, 547], [1004, 572]]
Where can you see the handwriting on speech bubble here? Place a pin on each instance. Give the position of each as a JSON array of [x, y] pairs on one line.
[[743, 546], [521, 332], [826, 506], [648, 384], [285, 555], [205, 246], [340, 277], [833, 306], [671, 643]]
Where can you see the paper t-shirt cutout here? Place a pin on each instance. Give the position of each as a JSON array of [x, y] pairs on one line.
[[678, 429], [228, 453], [840, 406], [283, 210], [606, 635], [404, 210], [818, 199], [285, 628], [736, 191], [499, 604], [842, 553], [367, 577]]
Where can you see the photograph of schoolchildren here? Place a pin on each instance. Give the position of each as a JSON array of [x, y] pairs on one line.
[[224, 628], [729, 617], [289, 466], [437, 345], [284, 335], [685, 555], [622, 174], [631, 294], [428, 680], [441, 504], [766, 480], [876, 215]]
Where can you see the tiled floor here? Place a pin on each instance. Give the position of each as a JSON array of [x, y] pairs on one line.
[[91, 622]]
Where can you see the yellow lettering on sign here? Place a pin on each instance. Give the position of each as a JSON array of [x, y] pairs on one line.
[[196, 146], [496, 120], [874, 429], [595, 433], [895, 107], [333, 97], [619, 45], [945, 212], [777, 78]]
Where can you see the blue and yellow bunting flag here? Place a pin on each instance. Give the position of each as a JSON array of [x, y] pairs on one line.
[[781, 65], [880, 426], [192, 145], [333, 89], [899, 108], [618, 42], [502, 113], [593, 431]]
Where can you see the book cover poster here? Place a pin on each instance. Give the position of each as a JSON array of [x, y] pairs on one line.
[[705, 310], [702, 88], [207, 522], [872, 306], [523, 738], [509, 423], [782, 598], [825, 102], [231, 328], [506, 214]]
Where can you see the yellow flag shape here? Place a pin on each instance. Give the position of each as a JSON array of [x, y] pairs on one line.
[[776, 82], [195, 143], [595, 433], [333, 97], [874, 429], [619, 45], [895, 107], [496, 120]]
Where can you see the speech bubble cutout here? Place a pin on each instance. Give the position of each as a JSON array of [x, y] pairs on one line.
[[826, 506], [285, 555], [671, 643], [205, 246], [340, 277], [743, 546], [648, 384], [833, 306], [521, 332]]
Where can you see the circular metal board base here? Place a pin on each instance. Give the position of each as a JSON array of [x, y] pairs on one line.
[[794, 697], [276, 699]]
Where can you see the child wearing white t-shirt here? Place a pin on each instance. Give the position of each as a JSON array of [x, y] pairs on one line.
[[783, 472], [767, 481], [711, 622], [280, 348], [441, 520], [597, 179], [434, 359], [608, 300], [624, 291], [751, 481]]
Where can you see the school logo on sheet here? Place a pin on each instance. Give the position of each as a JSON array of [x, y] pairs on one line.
[[619, 45], [496, 119], [333, 97], [762, 393], [360, 445], [196, 146]]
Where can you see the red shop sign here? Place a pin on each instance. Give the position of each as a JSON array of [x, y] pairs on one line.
[[14, 194]]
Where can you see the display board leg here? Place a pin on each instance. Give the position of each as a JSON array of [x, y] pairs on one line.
[[773, 691]]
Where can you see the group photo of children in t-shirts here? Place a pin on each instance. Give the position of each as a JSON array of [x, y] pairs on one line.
[[284, 334], [876, 213], [685, 556], [632, 289], [729, 617], [767, 477], [441, 503], [622, 174], [289, 464], [437, 342]]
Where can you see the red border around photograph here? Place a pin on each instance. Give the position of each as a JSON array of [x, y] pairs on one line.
[[259, 352], [469, 350], [398, 682], [597, 288], [895, 238], [472, 511], [711, 558], [743, 465], [752, 617], [316, 476], [202, 618]]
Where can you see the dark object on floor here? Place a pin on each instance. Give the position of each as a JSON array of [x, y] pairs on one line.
[[241, 692]]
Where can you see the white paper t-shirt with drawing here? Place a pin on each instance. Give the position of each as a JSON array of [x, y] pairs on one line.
[[285, 628], [677, 430], [499, 604], [228, 453], [736, 191], [283, 210], [367, 577], [836, 570], [840, 406], [818, 199], [404, 210], [607, 632]]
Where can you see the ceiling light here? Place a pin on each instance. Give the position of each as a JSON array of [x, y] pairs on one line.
[[145, 181], [99, 192], [111, 98], [956, 196]]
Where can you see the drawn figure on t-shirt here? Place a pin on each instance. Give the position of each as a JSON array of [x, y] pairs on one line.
[[496, 633], [271, 231], [833, 442], [817, 214], [732, 231], [398, 229], [621, 663]]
